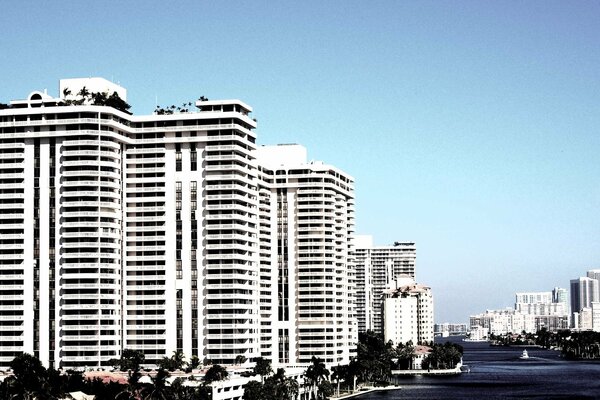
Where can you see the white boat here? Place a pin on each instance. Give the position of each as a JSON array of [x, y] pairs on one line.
[[524, 356]]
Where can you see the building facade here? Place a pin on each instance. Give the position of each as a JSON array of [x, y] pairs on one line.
[[407, 313], [377, 267], [542, 303], [584, 291], [310, 209], [157, 233]]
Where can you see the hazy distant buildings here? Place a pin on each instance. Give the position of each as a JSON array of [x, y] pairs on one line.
[[407, 312], [500, 322], [542, 303], [376, 269], [532, 312], [448, 328]]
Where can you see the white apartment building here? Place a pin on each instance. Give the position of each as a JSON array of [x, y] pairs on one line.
[[376, 269], [500, 322], [407, 313], [448, 328], [533, 297], [542, 303], [307, 219], [161, 233]]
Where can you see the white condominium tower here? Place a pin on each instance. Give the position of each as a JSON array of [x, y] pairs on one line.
[[307, 218], [162, 233], [407, 313], [377, 267], [120, 231]]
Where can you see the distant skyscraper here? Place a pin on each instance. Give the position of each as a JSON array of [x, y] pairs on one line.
[[377, 267], [584, 291], [593, 274]]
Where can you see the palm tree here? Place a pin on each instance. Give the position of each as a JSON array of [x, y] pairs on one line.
[[240, 359], [339, 373], [158, 390], [176, 361], [316, 373], [84, 92], [133, 388]]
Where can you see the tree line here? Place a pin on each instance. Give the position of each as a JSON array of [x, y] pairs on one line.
[[32, 381], [583, 345], [375, 359]]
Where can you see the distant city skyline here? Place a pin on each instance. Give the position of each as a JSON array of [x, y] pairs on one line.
[[470, 128]]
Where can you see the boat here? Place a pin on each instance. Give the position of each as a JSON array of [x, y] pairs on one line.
[[524, 356]]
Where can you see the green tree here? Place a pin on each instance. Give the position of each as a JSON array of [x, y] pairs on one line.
[[262, 367], [133, 388], [315, 374], [325, 390], [253, 390], [117, 102], [280, 387], [158, 390], [406, 355], [29, 380], [175, 362], [130, 360], [84, 92], [214, 374]]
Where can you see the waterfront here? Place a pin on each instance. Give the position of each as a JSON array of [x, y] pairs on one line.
[[498, 373]]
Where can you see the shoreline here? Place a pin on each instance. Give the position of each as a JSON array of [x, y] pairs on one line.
[[366, 390]]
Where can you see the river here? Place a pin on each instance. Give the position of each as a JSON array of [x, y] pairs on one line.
[[499, 373]]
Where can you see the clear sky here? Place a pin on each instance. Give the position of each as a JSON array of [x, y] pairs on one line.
[[471, 127]]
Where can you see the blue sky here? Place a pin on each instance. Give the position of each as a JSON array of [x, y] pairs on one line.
[[470, 127]]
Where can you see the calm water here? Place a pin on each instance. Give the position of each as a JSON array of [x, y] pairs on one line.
[[498, 373]]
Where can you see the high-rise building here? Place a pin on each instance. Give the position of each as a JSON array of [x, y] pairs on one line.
[[307, 219], [407, 313], [377, 267], [584, 291], [161, 233], [593, 274]]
